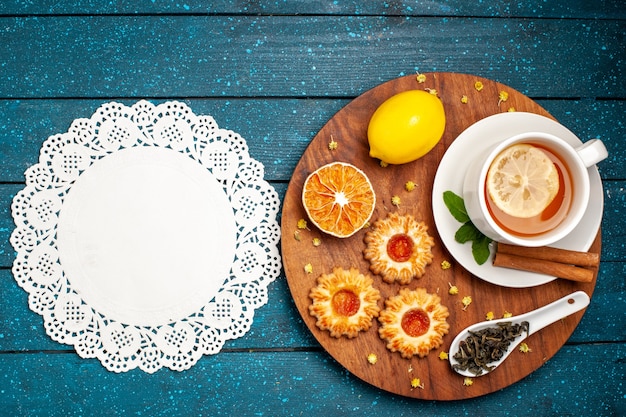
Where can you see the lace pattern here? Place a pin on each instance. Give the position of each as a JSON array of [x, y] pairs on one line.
[[120, 344]]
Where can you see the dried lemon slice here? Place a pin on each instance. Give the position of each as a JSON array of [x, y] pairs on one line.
[[339, 199], [522, 180]]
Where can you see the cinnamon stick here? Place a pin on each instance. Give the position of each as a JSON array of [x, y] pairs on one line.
[[542, 266], [552, 254]]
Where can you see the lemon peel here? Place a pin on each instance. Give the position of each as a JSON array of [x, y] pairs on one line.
[[406, 126]]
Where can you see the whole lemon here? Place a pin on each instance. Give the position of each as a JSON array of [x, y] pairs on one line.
[[406, 127]]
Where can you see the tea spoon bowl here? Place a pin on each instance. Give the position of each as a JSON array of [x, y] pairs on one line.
[[537, 320]]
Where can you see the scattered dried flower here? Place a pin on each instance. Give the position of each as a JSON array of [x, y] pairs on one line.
[[308, 268], [467, 381], [372, 358], [467, 300], [302, 224], [443, 356], [489, 315], [332, 145], [409, 186], [395, 200], [446, 265], [511, 109], [421, 78], [507, 314], [384, 164], [317, 241], [416, 383], [453, 289], [432, 91], [464, 99], [478, 85], [296, 235], [503, 96], [523, 347]]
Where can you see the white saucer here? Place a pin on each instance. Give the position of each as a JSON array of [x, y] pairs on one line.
[[452, 167]]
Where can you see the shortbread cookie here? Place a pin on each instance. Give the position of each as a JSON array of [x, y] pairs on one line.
[[398, 248], [413, 322], [344, 302]]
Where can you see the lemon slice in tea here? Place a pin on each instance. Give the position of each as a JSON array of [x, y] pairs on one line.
[[522, 180]]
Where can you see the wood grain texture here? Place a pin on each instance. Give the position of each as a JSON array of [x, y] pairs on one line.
[[277, 130], [300, 56], [289, 384], [491, 8], [391, 373], [276, 71]]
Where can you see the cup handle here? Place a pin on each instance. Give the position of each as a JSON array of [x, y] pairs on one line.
[[592, 152]]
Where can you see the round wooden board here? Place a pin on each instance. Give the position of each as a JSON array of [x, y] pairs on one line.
[[393, 373]]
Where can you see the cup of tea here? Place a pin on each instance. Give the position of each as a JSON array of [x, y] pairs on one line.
[[531, 189]]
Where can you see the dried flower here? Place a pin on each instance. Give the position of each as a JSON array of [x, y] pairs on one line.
[[296, 235], [317, 241], [511, 109], [443, 356], [489, 315], [523, 347], [467, 300], [503, 96], [478, 85], [467, 381], [421, 78], [446, 265], [302, 224], [308, 268], [332, 145], [416, 383], [372, 358], [409, 186], [507, 314], [432, 91], [384, 164], [453, 289], [464, 99], [395, 200]]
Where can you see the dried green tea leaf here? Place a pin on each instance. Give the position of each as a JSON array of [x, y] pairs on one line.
[[483, 347]]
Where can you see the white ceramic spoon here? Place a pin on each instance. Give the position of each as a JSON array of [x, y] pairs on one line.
[[537, 320]]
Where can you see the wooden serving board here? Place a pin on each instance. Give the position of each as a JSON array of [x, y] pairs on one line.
[[393, 373]]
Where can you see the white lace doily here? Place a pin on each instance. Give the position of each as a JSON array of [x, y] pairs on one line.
[[146, 236]]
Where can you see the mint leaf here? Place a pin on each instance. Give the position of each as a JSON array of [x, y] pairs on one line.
[[456, 206], [466, 233], [480, 249]]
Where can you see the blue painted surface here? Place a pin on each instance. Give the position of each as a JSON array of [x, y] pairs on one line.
[[275, 72]]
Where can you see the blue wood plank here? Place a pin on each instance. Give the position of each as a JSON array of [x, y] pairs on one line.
[[548, 8], [277, 325], [301, 56], [579, 380], [277, 130], [613, 226]]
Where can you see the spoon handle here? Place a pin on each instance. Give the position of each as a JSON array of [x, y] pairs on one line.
[[555, 311]]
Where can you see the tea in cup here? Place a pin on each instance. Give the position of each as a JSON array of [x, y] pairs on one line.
[[531, 189]]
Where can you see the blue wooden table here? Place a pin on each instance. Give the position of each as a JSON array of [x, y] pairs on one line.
[[275, 72]]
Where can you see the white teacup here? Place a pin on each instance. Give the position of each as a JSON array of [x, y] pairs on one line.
[[576, 159]]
